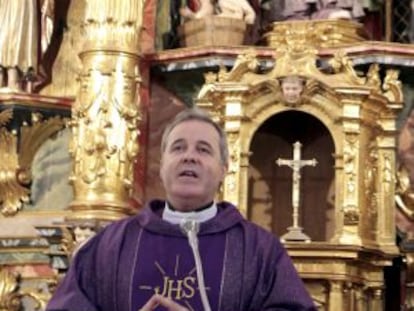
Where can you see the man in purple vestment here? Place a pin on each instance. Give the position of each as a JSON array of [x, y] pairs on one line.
[[188, 252]]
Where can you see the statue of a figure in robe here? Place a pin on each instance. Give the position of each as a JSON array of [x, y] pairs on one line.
[[299, 9], [20, 39], [323, 9], [239, 9], [339, 9]]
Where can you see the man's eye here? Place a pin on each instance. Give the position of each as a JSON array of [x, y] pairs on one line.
[[176, 148], [204, 150]]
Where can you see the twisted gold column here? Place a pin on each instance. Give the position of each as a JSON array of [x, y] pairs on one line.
[[106, 114]]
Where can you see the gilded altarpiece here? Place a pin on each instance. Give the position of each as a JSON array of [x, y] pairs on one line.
[[343, 270], [96, 130]]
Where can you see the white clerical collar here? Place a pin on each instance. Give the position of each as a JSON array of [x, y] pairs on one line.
[[176, 217]]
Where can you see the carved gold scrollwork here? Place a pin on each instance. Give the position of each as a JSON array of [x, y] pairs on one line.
[[392, 86], [17, 156], [341, 63], [246, 62], [11, 293], [371, 175], [388, 173], [12, 192], [351, 216], [315, 33], [73, 237], [9, 298], [350, 152], [96, 121], [349, 155], [371, 191], [234, 163], [373, 77]]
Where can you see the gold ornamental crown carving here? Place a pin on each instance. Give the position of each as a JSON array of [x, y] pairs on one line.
[[315, 33], [290, 60]]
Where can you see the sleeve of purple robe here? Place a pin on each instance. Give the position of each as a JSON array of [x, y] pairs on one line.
[[285, 288], [94, 273], [277, 284], [79, 290], [76, 292]]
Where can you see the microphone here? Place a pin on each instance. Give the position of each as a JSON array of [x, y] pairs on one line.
[[190, 228]]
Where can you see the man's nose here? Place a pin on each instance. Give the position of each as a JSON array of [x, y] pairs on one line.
[[190, 155]]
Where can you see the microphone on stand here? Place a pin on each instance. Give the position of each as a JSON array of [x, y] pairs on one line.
[[190, 229]]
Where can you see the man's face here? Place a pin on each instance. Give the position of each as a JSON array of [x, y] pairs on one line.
[[191, 166], [292, 90]]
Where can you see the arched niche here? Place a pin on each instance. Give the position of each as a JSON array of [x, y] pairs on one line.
[[270, 185], [358, 115]]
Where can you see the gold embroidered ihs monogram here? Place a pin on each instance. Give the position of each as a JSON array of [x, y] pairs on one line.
[[175, 287]]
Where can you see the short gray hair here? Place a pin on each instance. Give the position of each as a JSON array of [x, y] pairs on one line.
[[202, 116]]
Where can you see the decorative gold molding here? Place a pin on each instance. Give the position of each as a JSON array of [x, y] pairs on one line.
[[11, 294], [315, 33], [9, 297], [17, 156], [12, 192]]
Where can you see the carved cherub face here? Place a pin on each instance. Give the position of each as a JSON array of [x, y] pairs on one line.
[[292, 88], [82, 234]]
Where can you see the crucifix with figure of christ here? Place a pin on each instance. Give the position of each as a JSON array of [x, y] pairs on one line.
[[295, 232]]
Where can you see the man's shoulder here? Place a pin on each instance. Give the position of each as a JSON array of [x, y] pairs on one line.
[[260, 231], [249, 226], [115, 230]]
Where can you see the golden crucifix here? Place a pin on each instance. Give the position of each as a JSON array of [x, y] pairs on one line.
[[295, 232]]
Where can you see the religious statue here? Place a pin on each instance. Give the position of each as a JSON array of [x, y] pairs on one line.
[[339, 9], [238, 9], [168, 20], [292, 88], [299, 9], [271, 11], [20, 38], [205, 9], [81, 235], [323, 9]]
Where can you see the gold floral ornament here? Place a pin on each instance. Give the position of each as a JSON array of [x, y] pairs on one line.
[[9, 298], [12, 294], [17, 154], [12, 192]]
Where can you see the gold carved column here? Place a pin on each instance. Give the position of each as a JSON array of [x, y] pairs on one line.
[[227, 107], [336, 295], [386, 183], [351, 163], [237, 176], [106, 114]]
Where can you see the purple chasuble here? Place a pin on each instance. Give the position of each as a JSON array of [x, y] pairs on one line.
[[169, 269], [245, 267]]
